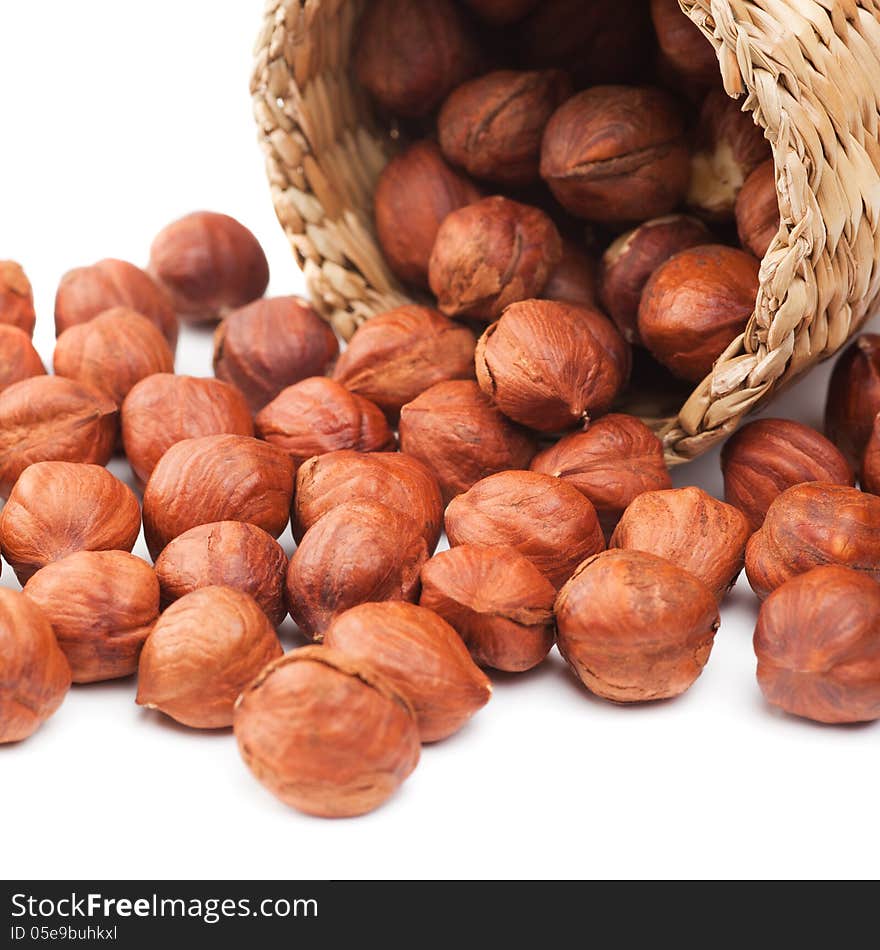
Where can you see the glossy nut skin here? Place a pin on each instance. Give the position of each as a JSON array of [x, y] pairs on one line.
[[613, 462], [769, 455], [58, 508], [817, 646], [325, 734], [502, 12], [458, 433], [319, 415], [202, 652], [871, 462], [271, 344], [357, 552], [217, 478], [548, 521], [102, 605], [34, 675], [498, 601], [635, 627], [682, 44], [550, 365], [854, 398], [50, 418], [575, 278], [813, 524], [209, 263], [757, 210], [692, 529], [421, 656], [397, 355], [18, 358], [225, 554], [163, 409], [16, 298]]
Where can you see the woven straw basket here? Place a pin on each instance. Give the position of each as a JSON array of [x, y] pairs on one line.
[[809, 71]]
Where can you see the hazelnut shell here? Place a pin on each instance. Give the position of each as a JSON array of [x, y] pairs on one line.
[[757, 210], [18, 358], [575, 278], [854, 397], [682, 44], [16, 298]]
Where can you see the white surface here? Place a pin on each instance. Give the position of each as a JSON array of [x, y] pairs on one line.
[[116, 118]]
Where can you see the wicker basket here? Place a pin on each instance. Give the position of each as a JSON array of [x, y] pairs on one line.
[[809, 70]]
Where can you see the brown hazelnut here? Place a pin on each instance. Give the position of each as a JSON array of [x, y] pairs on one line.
[[271, 344], [225, 554], [112, 352], [630, 261], [87, 291], [217, 478], [635, 627], [613, 462], [854, 398], [16, 298], [682, 45], [421, 656], [202, 652], [690, 528], [551, 365], [817, 649], [102, 605], [319, 415], [492, 126], [695, 305], [409, 54], [18, 358], [456, 431], [498, 601], [58, 508], [414, 193], [209, 263], [34, 675], [397, 355], [545, 519], [502, 12], [326, 734], [617, 153], [811, 524], [757, 210], [399, 481], [871, 462], [574, 279], [769, 455], [358, 551], [163, 409], [50, 418], [490, 254]]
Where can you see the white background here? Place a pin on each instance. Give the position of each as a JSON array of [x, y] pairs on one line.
[[116, 117]]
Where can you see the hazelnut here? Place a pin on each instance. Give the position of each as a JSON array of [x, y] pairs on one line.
[[769, 455], [871, 462], [421, 656], [202, 652], [630, 261], [574, 279], [58, 508], [692, 529], [551, 365], [410, 55], [16, 298], [18, 358], [163, 409], [326, 734], [50, 418], [617, 153], [34, 675], [682, 45], [545, 519], [502, 12], [492, 126], [695, 305], [456, 431], [757, 210], [613, 462], [102, 605], [817, 648], [112, 352], [319, 415], [217, 478], [414, 193], [209, 263], [87, 291], [811, 524], [635, 627], [397, 355], [854, 398], [490, 254], [225, 554], [399, 481], [271, 344], [498, 601]]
